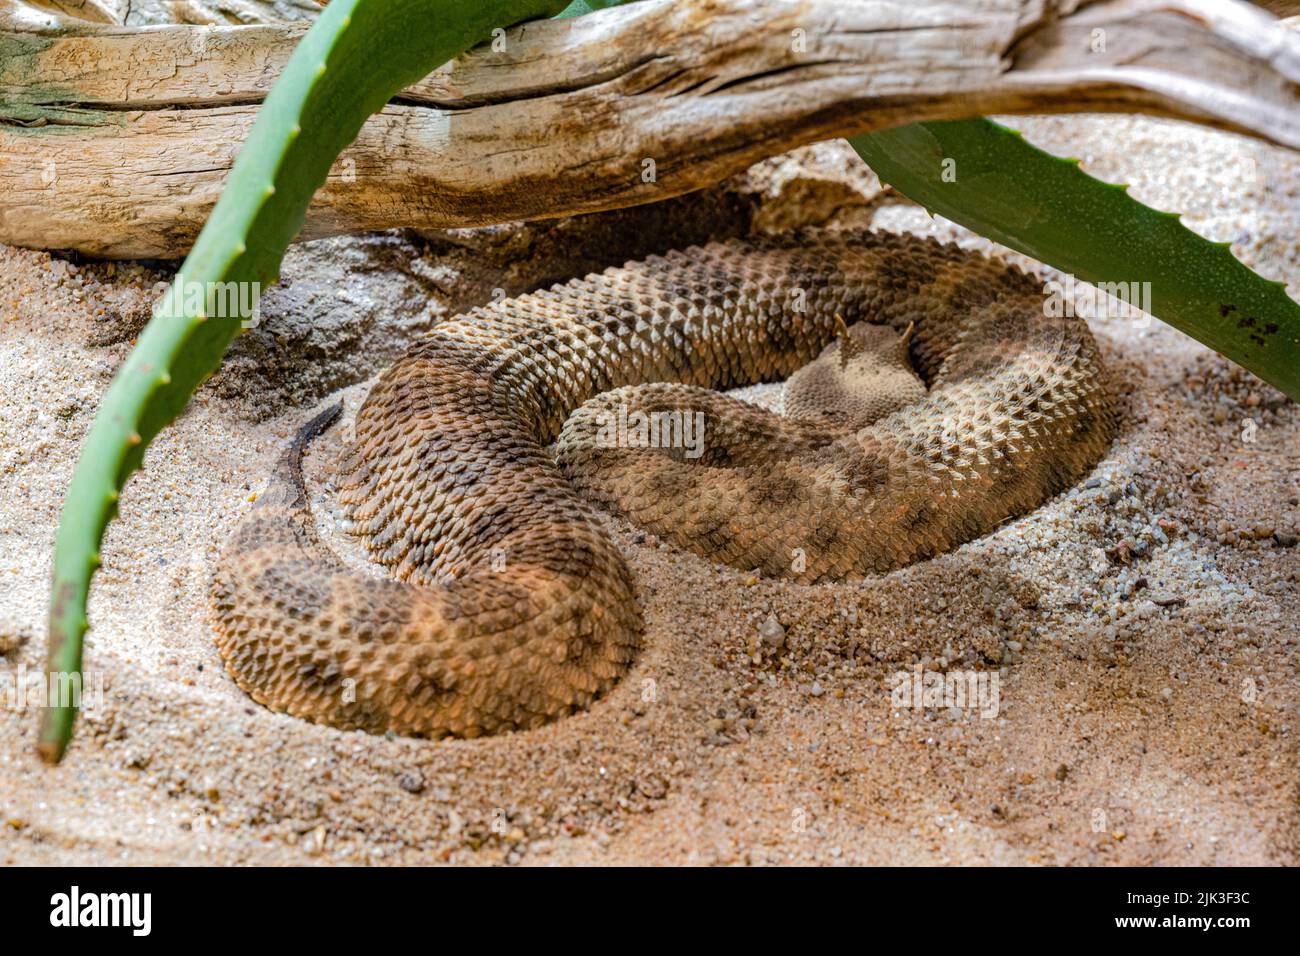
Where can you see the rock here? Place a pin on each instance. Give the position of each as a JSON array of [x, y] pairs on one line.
[[653, 787], [139, 760], [773, 633], [314, 845], [1168, 600], [1026, 593], [12, 638], [412, 781], [1285, 539]]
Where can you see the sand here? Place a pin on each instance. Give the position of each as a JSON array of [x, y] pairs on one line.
[[1142, 625]]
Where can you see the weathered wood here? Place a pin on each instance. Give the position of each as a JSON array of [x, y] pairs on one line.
[[116, 141], [48, 14]]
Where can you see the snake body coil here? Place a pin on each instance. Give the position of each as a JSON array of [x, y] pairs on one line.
[[959, 405]]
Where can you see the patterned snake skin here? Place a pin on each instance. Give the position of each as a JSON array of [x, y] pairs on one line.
[[508, 605]]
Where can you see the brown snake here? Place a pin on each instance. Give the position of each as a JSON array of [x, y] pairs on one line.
[[959, 405]]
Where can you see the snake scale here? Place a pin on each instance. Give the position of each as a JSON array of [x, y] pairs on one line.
[[930, 398]]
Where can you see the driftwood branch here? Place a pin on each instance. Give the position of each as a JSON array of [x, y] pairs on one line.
[[116, 141], [60, 14]]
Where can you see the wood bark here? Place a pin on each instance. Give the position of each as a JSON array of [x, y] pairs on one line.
[[115, 141]]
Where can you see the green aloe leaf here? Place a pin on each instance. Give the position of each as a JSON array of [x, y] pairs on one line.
[[580, 8], [1010, 191], [356, 57]]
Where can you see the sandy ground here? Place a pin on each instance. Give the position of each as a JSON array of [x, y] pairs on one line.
[[1142, 625]]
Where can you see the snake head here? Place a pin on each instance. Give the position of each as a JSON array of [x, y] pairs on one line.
[[877, 342]]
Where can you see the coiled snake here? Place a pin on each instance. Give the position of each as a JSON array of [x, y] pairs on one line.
[[932, 398]]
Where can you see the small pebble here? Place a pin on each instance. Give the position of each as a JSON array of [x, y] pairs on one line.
[[13, 638], [772, 632]]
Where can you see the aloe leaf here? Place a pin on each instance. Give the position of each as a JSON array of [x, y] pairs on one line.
[[356, 56], [1010, 191], [580, 8]]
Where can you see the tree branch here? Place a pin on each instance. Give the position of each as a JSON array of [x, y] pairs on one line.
[[116, 141]]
